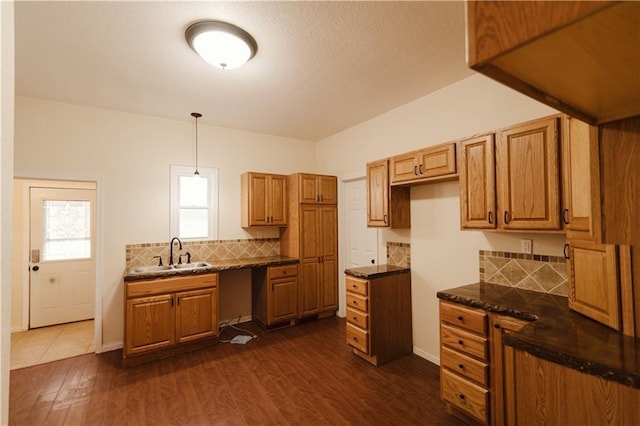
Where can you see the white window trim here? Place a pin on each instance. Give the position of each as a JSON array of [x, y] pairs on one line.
[[205, 172]]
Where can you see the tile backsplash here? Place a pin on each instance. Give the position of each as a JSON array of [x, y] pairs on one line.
[[142, 254], [399, 254], [547, 274]]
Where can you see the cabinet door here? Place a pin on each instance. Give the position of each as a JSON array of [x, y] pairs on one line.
[[308, 189], [437, 161], [328, 189], [477, 183], [257, 199], [528, 175], [150, 323], [502, 369], [283, 300], [328, 250], [378, 193], [196, 314], [594, 281], [309, 294], [403, 168], [581, 180], [277, 200]]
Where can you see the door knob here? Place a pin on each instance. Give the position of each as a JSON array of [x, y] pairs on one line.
[[35, 268]]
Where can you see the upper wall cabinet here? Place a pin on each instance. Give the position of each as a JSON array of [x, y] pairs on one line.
[[317, 189], [477, 183], [520, 188], [264, 199], [387, 206], [435, 162], [528, 175], [582, 58]]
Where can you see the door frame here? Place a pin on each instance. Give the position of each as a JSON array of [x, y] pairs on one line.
[[342, 241], [22, 188]]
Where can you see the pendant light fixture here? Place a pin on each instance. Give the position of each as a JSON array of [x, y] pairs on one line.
[[196, 115], [221, 44]]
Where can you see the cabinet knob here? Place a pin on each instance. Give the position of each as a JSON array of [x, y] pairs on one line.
[[461, 396], [460, 342], [461, 366], [496, 325], [460, 318]]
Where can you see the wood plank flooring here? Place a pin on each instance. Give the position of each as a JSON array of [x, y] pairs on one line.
[[302, 375]]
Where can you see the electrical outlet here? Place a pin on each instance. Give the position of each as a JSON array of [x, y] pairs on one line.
[[526, 246]]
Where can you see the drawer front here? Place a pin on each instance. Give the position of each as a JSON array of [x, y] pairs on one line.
[[466, 366], [470, 398], [462, 341], [357, 302], [358, 318], [276, 272], [358, 338], [358, 286], [470, 319]]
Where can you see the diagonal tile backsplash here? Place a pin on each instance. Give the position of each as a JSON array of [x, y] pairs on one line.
[[399, 254], [547, 274]]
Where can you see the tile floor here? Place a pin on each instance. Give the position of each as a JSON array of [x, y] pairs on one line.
[[46, 344]]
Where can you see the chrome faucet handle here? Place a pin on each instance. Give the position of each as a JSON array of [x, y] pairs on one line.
[[159, 260]]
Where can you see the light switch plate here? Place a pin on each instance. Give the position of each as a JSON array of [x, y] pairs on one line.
[[526, 246]]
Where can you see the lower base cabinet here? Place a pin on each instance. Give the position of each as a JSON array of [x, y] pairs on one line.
[[275, 294], [547, 393], [162, 314], [379, 317]]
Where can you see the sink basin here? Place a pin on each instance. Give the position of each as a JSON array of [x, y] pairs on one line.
[[194, 265], [166, 268], [149, 269]]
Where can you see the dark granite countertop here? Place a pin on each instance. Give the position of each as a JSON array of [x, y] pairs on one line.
[[556, 333], [216, 266], [376, 271]]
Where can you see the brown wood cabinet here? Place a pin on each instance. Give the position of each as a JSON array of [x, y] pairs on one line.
[[387, 206], [264, 199], [431, 163], [478, 183], [312, 237], [528, 175], [317, 189], [548, 393], [275, 294], [163, 313], [582, 58], [379, 317], [464, 361], [502, 379]]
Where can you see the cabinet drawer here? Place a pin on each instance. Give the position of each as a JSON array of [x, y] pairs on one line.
[[468, 397], [462, 341], [276, 272], [466, 366], [358, 286], [470, 319], [358, 318], [358, 338], [357, 302]]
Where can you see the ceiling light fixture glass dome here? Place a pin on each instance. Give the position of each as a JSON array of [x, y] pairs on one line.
[[221, 44]]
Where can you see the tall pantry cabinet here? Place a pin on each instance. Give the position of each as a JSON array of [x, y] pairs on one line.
[[312, 237]]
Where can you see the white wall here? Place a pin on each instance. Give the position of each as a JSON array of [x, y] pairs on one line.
[[130, 156], [442, 256], [7, 63]]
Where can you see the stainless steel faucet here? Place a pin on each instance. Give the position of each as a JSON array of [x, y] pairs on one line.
[[171, 248]]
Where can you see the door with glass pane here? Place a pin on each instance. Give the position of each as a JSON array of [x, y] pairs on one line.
[[62, 256]]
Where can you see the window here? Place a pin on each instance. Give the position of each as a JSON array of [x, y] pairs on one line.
[[194, 203]]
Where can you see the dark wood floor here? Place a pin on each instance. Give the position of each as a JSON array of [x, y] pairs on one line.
[[303, 375]]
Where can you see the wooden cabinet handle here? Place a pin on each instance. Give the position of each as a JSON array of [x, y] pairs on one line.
[[386, 219], [565, 251], [421, 168], [506, 217], [415, 170], [565, 216], [321, 198], [490, 217]]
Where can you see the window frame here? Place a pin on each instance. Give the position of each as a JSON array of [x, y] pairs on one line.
[[212, 200]]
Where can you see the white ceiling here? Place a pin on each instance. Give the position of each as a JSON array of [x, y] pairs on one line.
[[321, 67]]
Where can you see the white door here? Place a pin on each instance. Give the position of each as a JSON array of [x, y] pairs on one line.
[[62, 256], [362, 242]]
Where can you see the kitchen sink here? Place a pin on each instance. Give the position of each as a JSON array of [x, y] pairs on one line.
[[168, 268]]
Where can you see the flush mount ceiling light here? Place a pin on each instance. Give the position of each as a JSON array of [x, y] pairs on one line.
[[221, 44]]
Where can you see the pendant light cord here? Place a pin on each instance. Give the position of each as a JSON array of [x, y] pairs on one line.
[[196, 115]]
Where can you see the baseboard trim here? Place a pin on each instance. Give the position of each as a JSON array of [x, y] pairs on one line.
[[114, 346], [17, 329], [426, 355]]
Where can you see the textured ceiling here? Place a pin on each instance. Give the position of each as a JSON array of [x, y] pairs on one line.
[[321, 67]]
